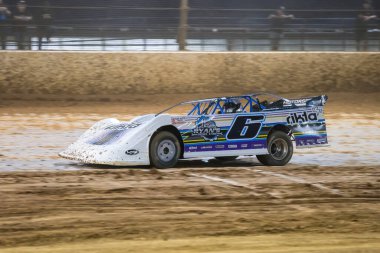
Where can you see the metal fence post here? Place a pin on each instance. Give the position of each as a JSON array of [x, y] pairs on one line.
[[182, 30]]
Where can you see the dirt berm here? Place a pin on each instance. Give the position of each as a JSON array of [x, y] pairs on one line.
[[125, 73]]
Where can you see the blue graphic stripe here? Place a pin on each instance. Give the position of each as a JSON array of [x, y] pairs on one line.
[[191, 129], [311, 136], [222, 146], [264, 125]]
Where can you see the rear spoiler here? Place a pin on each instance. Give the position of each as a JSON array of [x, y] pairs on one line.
[[307, 102]]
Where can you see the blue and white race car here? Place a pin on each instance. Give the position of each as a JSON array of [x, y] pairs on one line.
[[262, 125]]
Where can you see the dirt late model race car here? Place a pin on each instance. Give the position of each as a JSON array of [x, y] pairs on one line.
[[263, 125]]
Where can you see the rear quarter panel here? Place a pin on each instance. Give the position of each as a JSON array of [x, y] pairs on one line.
[[307, 125]]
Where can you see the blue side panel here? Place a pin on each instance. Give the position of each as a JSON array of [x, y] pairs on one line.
[[226, 145], [250, 130], [224, 132], [310, 134]]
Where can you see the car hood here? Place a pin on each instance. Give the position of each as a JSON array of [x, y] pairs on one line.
[[111, 141]]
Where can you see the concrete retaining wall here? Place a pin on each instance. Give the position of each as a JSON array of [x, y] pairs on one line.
[[92, 73]]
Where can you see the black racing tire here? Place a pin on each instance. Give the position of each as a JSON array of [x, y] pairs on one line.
[[280, 148], [226, 158], [164, 150]]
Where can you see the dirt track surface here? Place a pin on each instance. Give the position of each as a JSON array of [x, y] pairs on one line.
[[329, 197], [219, 200]]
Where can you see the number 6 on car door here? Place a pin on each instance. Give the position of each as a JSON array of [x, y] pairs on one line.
[[245, 127]]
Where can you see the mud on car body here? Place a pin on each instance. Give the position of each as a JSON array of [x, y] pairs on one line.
[[261, 124]]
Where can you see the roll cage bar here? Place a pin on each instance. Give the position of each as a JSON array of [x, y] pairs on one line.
[[202, 107]]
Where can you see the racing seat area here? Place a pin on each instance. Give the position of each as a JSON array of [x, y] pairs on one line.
[[232, 107], [270, 105], [277, 104]]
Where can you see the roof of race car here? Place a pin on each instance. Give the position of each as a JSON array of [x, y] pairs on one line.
[[250, 97]]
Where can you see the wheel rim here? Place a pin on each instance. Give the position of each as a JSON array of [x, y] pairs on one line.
[[166, 150], [279, 149]]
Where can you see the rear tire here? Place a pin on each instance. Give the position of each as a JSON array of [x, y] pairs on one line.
[[226, 158], [280, 148], [164, 150]]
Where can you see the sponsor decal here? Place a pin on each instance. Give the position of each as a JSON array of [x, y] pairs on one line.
[[206, 128], [311, 141], [296, 101], [318, 109], [298, 118], [132, 152], [123, 126], [322, 141], [179, 120], [111, 133], [229, 146]]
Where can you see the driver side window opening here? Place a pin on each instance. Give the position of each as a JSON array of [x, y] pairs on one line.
[[229, 105]]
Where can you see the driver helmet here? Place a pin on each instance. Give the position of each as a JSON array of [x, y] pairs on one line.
[[232, 106]]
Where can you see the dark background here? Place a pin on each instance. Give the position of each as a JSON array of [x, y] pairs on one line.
[[318, 24], [165, 12]]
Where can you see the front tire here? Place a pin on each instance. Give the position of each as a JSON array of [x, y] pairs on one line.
[[164, 150], [280, 148]]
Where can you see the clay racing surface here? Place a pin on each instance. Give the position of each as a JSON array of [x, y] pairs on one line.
[[325, 200]]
